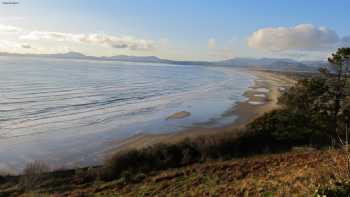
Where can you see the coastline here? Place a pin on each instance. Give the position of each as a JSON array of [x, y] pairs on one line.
[[258, 101], [261, 97]]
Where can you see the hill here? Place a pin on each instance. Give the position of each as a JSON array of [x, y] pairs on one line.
[[125, 58], [270, 64], [296, 173], [252, 63]]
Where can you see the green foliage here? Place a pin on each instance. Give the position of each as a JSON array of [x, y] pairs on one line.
[[305, 95], [310, 101], [285, 128], [156, 157], [338, 58], [340, 189], [164, 156], [268, 194], [324, 99]]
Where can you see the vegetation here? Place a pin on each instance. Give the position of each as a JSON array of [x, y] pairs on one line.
[[33, 173], [296, 173], [165, 156], [339, 189]]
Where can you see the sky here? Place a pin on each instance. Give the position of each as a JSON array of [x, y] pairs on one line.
[[177, 29]]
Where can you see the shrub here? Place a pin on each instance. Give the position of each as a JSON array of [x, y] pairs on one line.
[[156, 157], [121, 162], [339, 189], [85, 175], [282, 129]]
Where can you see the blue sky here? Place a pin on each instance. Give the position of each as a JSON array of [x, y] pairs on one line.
[[181, 29]]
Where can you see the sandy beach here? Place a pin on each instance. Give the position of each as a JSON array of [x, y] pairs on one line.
[[262, 97]]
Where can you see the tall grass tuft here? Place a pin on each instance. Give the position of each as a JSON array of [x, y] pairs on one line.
[[33, 173]]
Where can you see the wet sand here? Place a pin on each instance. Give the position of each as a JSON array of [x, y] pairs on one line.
[[179, 115], [262, 97]]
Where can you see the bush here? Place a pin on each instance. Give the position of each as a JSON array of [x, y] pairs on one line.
[[339, 189], [121, 162], [156, 157], [283, 129], [85, 175]]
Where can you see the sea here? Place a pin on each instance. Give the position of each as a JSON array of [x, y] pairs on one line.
[[70, 112]]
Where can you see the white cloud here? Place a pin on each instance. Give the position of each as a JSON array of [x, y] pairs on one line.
[[211, 43], [9, 29], [56, 36], [301, 37], [11, 18], [20, 47], [10, 45], [121, 42]]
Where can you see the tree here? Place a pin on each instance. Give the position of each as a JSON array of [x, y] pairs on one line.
[[309, 98], [338, 80], [324, 99]]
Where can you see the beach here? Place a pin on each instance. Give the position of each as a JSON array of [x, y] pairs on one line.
[[262, 97], [187, 115]]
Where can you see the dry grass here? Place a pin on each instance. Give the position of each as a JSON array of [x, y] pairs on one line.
[[297, 173], [33, 174], [281, 174]]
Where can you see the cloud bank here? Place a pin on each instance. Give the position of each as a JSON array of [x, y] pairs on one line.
[[120, 42], [304, 37], [9, 29], [10, 45]]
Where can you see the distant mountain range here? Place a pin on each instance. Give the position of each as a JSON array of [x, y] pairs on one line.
[[257, 63], [126, 58], [273, 64]]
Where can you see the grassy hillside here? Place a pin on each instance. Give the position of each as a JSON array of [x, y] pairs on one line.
[[298, 173]]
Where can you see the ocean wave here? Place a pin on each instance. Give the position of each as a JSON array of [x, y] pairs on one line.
[[52, 96]]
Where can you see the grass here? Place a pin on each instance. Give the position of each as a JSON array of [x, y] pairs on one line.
[[295, 173]]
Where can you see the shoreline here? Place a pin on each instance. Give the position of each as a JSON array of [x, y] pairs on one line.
[[261, 97], [257, 102]]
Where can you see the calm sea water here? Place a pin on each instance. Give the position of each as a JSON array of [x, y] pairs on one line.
[[64, 109]]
